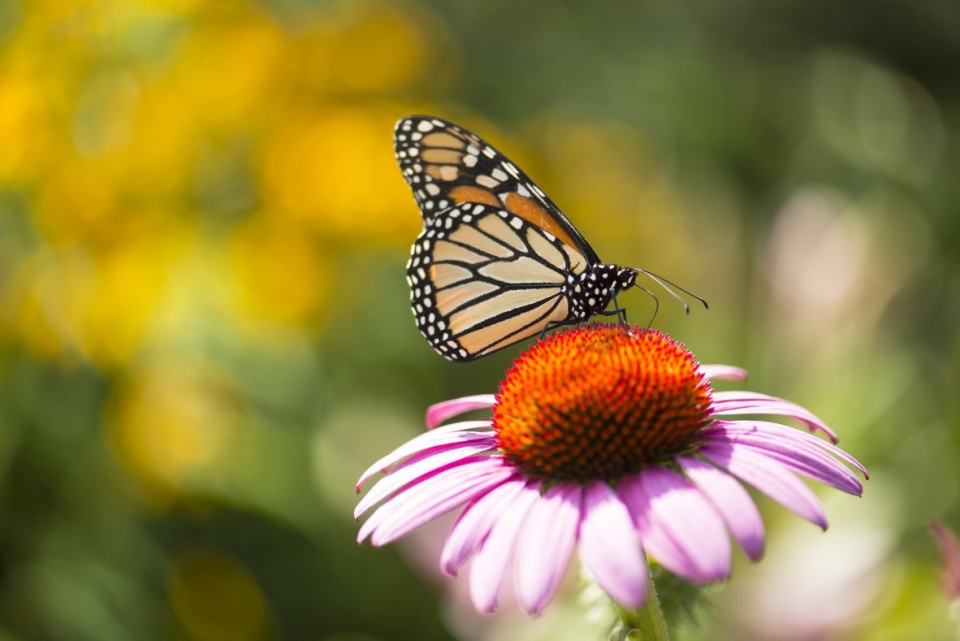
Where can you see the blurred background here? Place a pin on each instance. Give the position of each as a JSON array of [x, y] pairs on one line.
[[204, 325]]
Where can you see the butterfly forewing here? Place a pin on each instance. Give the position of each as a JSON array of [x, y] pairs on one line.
[[482, 278], [446, 165]]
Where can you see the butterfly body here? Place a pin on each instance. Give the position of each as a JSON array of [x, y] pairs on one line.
[[590, 292], [497, 261]]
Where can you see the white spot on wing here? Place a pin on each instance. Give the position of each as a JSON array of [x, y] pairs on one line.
[[487, 181]]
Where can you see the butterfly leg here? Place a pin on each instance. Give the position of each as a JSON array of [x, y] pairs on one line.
[[619, 312], [554, 325]]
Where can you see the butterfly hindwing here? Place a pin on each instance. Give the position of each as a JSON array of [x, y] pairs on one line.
[[446, 165], [482, 278]]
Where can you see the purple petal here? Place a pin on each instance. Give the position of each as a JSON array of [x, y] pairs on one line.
[[731, 500], [777, 430], [491, 561], [456, 433], [723, 372], [440, 412], [610, 546], [795, 453], [438, 494], [677, 524], [753, 403], [475, 522], [768, 476], [421, 465], [544, 546]]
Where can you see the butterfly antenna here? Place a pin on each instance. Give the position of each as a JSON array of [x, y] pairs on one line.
[[669, 286]]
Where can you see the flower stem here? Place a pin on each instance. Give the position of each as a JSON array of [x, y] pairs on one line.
[[645, 623]]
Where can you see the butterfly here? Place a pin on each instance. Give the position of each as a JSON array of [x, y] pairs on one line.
[[497, 261]]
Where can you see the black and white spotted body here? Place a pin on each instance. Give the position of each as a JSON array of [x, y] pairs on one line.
[[590, 292]]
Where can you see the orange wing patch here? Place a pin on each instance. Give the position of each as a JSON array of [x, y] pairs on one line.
[[468, 194], [441, 156], [444, 140], [532, 212]]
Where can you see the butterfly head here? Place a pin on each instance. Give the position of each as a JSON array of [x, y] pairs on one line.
[[626, 277]]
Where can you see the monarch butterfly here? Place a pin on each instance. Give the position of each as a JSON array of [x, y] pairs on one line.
[[497, 261]]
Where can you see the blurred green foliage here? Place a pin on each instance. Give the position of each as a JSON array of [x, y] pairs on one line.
[[204, 329]]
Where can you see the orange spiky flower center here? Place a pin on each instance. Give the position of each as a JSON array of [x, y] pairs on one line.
[[600, 401]]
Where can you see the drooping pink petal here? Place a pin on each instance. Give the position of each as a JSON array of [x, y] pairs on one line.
[[734, 403], [610, 546], [475, 522], [793, 452], [732, 502], [490, 563], [422, 502], [420, 465], [777, 430], [723, 372], [440, 412], [768, 476], [544, 545], [677, 525], [455, 433]]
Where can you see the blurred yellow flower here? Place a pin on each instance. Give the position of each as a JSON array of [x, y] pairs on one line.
[[172, 6], [362, 47], [96, 305], [31, 104], [51, 12], [279, 274], [232, 71], [333, 169], [142, 129], [77, 205], [216, 598], [171, 426]]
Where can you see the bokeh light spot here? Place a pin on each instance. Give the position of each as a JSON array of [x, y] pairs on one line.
[[216, 598], [172, 425]]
